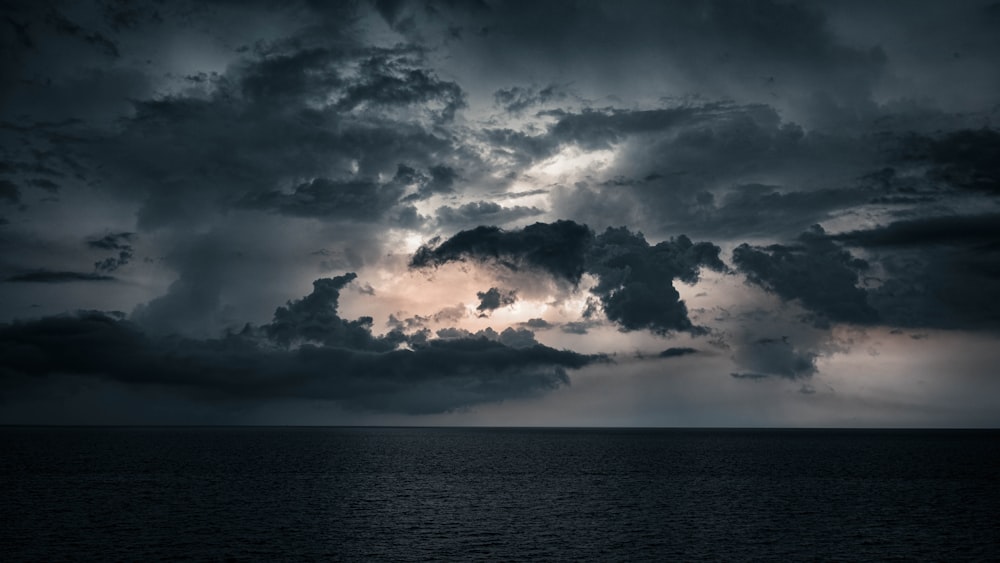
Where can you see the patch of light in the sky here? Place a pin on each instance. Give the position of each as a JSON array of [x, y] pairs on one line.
[[411, 242], [572, 163]]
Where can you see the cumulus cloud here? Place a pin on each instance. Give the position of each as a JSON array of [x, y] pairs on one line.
[[635, 278], [493, 299]]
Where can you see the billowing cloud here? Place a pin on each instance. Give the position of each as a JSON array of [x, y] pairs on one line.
[[746, 188], [635, 278], [556, 248], [307, 351], [493, 298], [815, 271]]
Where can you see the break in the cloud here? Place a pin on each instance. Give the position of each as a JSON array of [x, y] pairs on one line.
[[759, 196], [634, 278]]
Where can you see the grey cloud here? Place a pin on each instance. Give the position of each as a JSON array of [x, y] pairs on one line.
[[777, 51], [517, 338], [441, 181], [47, 276], [686, 167], [556, 248], [269, 122], [815, 271], [677, 352], [482, 213], [749, 375], [388, 81], [330, 199], [636, 288], [314, 319], [9, 191], [516, 99], [453, 314], [773, 357], [757, 209], [113, 241], [938, 271], [537, 324], [307, 351], [947, 230], [576, 327], [635, 279], [494, 298], [965, 159]]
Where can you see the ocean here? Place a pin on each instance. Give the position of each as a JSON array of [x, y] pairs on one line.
[[467, 494]]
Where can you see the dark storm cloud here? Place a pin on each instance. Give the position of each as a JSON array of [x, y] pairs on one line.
[[635, 278], [314, 319], [493, 299], [755, 209], [677, 352], [113, 241], [936, 272], [298, 128], [307, 351], [981, 229], [389, 82], [556, 248], [815, 271], [235, 137], [9, 191], [330, 199], [765, 49], [441, 180], [65, 26], [594, 129], [46, 276], [516, 99], [635, 286], [687, 166], [337, 117], [45, 184], [965, 159]]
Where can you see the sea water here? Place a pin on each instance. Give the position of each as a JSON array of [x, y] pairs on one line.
[[464, 494]]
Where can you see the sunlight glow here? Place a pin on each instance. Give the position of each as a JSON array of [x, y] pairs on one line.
[[572, 162]]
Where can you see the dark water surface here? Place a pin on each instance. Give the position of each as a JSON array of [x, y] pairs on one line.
[[502, 494]]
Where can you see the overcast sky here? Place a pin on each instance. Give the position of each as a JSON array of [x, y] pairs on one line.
[[714, 213]]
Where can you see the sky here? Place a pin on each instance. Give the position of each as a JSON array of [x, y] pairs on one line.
[[562, 213]]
